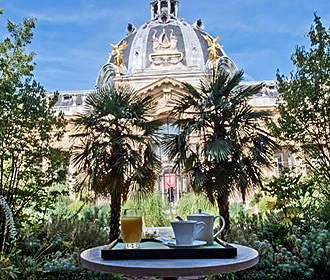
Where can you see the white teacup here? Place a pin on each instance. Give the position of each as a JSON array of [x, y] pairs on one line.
[[186, 231]]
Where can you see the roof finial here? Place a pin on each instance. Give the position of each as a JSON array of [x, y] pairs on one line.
[[161, 9]]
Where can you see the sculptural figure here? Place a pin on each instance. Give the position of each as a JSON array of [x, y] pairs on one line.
[[118, 53], [165, 51], [173, 41], [213, 48], [110, 70], [161, 43]]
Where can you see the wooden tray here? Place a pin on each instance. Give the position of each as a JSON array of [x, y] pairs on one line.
[[154, 249]]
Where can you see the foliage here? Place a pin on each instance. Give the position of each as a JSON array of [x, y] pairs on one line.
[[323, 208], [295, 196], [29, 164], [221, 145], [156, 211], [190, 203], [52, 266], [304, 102], [235, 208], [115, 149], [9, 221], [304, 255], [51, 250], [78, 230], [262, 203]]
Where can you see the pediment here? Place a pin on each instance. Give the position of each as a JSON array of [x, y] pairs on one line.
[[163, 90], [161, 84]]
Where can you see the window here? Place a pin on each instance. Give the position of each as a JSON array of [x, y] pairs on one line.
[[155, 9], [290, 161], [163, 4], [279, 162], [172, 7]]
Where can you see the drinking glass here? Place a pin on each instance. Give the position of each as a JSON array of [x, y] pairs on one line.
[[131, 228]]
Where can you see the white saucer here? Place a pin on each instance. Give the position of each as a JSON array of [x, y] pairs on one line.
[[195, 244]]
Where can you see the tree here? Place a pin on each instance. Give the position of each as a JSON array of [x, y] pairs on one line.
[[114, 147], [221, 144], [29, 164], [304, 103]]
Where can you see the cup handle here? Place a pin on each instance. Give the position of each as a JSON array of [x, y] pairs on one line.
[[199, 227], [223, 225]]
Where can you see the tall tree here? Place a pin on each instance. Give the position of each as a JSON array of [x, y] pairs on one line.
[[221, 144], [304, 102], [114, 147], [29, 164]]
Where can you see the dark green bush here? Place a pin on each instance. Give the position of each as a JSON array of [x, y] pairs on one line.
[[55, 266], [50, 250], [303, 253]]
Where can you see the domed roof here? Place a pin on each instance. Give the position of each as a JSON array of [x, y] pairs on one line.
[[164, 45]]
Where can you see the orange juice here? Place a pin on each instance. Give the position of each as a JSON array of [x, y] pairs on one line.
[[131, 229]]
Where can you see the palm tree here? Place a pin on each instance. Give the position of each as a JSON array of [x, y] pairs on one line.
[[221, 145], [114, 147]]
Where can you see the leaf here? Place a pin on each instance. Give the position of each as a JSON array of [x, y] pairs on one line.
[[219, 149]]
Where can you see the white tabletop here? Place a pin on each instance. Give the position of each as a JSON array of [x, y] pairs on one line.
[[246, 258]]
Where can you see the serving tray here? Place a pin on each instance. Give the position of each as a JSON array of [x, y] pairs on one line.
[[154, 249]]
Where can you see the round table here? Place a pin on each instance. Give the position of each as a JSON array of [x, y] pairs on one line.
[[246, 258]]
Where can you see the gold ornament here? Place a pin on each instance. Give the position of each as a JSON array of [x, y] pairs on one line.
[[213, 46], [118, 53]]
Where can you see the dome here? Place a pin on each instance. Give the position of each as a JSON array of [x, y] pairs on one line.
[[164, 45]]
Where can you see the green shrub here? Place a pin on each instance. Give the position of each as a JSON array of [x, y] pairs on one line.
[[55, 266], [156, 211], [191, 203], [295, 196], [50, 250], [303, 253], [235, 208], [9, 225]]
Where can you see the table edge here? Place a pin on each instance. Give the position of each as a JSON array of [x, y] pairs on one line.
[[161, 272]]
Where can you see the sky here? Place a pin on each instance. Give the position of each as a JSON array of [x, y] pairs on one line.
[[72, 38]]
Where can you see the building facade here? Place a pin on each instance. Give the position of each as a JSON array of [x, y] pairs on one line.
[[156, 59]]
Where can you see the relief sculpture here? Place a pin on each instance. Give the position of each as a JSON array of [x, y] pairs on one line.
[[165, 51]]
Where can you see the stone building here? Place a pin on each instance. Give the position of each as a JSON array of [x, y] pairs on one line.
[[156, 59]]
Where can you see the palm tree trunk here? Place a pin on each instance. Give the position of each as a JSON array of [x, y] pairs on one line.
[[223, 205], [115, 216]]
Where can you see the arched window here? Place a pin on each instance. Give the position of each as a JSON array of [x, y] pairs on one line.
[[173, 7], [172, 185], [155, 7], [163, 4]]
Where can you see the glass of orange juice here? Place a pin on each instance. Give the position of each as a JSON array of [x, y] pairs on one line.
[[131, 228]]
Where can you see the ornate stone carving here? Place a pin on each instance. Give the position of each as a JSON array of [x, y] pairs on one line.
[[213, 49], [165, 50]]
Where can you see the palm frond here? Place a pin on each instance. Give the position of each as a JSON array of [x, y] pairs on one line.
[[218, 149], [231, 148], [114, 139]]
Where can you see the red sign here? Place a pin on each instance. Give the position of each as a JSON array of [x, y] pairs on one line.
[[170, 180]]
